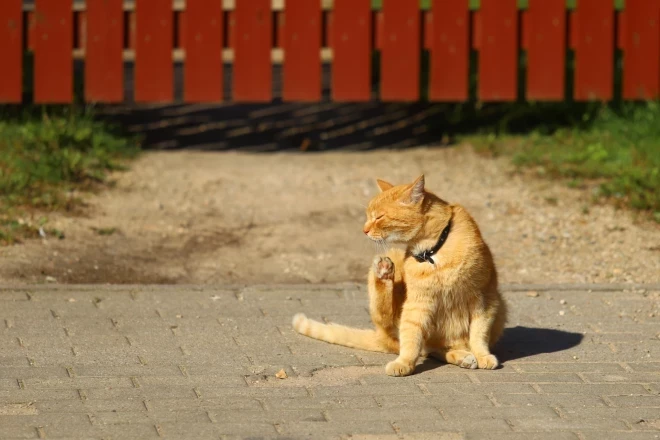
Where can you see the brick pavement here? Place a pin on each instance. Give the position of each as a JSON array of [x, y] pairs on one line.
[[200, 362]]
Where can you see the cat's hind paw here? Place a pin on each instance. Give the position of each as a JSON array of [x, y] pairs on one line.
[[469, 362], [383, 268]]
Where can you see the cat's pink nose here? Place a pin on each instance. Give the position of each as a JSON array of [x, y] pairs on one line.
[[366, 230]]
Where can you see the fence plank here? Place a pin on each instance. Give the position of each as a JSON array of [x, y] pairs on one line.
[[104, 65], [203, 40], [641, 39], [594, 51], [546, 51], [450, 51], [252, 67], [400, 51], [427, 31], [11, 41], [351, 47], [302, 51], [498, 55], [154, 72], [53, 63], [380, 29]]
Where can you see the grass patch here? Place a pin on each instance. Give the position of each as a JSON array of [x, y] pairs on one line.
[[614, 151], [45, 157]]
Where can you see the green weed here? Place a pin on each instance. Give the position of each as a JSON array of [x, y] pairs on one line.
[[46, 156], [617, 149]]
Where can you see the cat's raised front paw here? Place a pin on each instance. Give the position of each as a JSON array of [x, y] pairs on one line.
[[398, 368], [383, 268], [488, 362]]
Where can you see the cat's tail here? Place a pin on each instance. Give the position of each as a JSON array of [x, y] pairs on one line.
[[347, 336]]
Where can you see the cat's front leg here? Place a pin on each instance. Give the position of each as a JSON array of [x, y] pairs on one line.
[[414, 318]]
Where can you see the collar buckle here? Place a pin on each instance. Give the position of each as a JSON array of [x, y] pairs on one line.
[[427, 255]]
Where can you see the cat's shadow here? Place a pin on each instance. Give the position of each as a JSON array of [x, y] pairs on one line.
[[520, 342]]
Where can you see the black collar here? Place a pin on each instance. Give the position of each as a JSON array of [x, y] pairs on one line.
[[428, 254]]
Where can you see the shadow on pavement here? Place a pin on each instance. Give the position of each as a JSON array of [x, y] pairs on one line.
[[520, 342]]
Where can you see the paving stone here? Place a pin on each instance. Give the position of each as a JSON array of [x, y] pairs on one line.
[[636, 401], [555, 435], [479, 388], [226, 402], [424, 378], [213, 430], [564, 400], [87, 431], [193, 381], [78, 383], [485, 377], [623, 377], [128, 370], [532, 412], [341, 415], [472, 401], [324, 403], [573, 367], [471, 424], [199, 362], [645, 366], [26, 395], [18, 432], [394, 389], [89, 406], [314, 429], [272, 416], [619, 435], [32, 373], [600, 389], [583, 424], [632, 415]]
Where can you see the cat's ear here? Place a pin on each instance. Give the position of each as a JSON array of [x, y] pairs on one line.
[[416, 192], [384, 186]]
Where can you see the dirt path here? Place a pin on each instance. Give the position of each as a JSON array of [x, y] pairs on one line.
[[195, 217]]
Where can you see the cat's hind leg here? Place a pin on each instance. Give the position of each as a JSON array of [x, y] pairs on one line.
[[456, 356], [365, 339]]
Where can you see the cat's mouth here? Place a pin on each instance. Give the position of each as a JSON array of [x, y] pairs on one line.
[[383, 238]]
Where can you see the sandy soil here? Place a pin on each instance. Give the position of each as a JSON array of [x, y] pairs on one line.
[[230, 217]]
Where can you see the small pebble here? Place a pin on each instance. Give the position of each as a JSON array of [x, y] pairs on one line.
[[532, 294], [562, 301], [561, 313]]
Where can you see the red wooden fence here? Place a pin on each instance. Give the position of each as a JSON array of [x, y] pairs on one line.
[[207, 35]]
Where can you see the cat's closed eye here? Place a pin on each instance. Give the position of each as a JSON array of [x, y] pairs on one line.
[[378, 217]]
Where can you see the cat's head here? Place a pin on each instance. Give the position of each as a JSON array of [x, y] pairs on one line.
[[396, 215]]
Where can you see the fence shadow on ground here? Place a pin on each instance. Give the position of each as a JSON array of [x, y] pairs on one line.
[[327, 125], [283, 126]]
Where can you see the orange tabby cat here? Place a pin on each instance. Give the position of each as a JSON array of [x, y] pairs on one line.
[[437, 297]]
